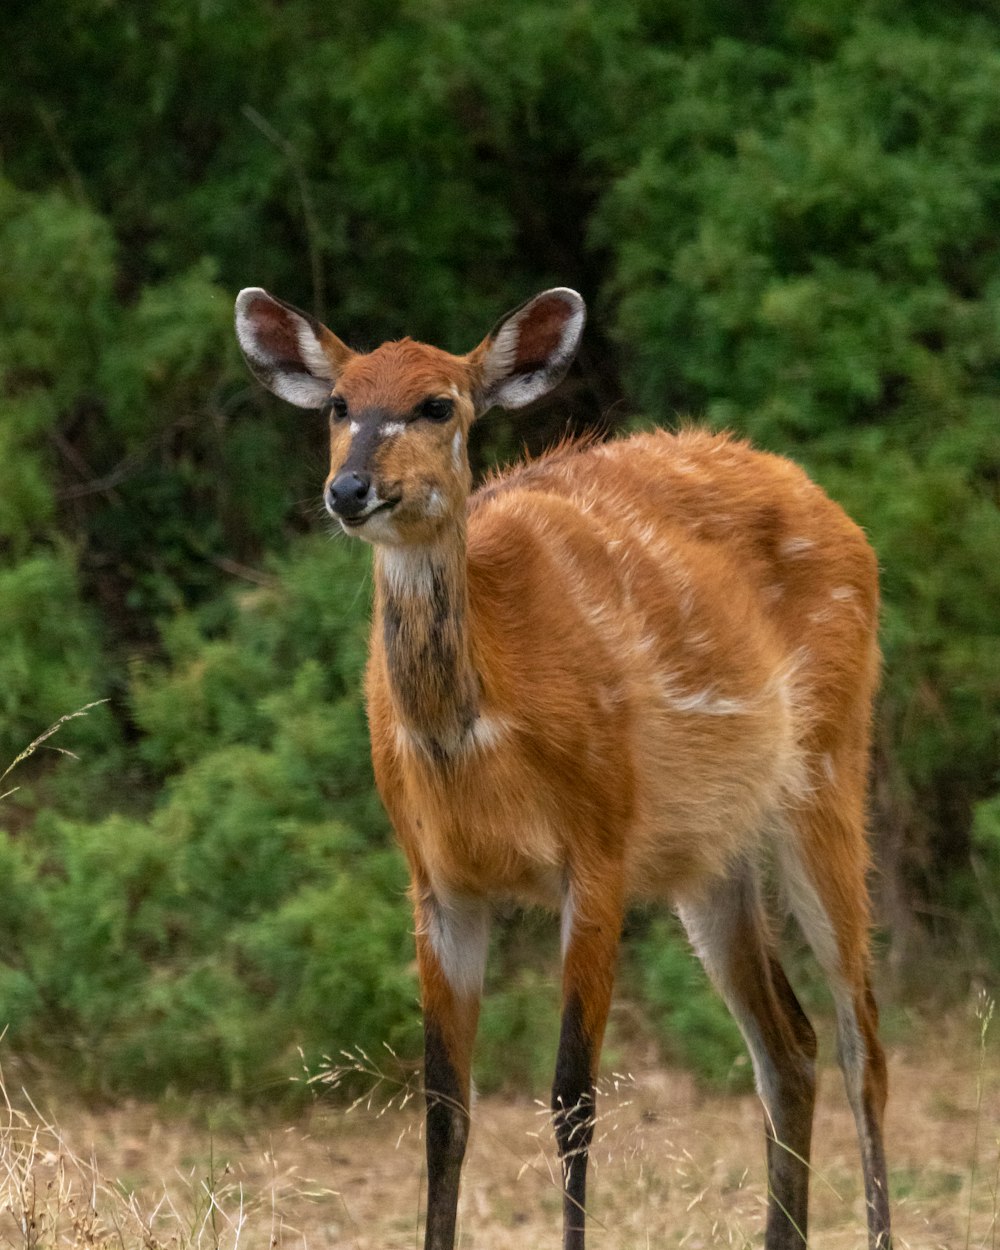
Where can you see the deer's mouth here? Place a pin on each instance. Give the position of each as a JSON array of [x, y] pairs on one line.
[[380, 509]]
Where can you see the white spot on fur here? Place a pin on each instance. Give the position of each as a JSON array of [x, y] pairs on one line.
[[487, 733], [354, 427], [707, 702], [826, 764], [456, 449], [390, 429], [698, 641], [796, 548], [841, 593]]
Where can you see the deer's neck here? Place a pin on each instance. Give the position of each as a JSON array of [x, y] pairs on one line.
[[421, 611]]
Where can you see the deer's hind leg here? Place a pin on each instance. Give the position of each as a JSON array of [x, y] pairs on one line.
[[824, 866], [729, 931]]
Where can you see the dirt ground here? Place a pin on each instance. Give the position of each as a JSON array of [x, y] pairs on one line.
[[671, 1167]]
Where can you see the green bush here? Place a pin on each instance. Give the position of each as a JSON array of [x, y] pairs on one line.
[[50, 644], [258, 908], [518, 1030]]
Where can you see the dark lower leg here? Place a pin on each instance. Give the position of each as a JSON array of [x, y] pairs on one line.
[[788, 1117], [592, 927], [447, 1134], [573, 1115], [728, 930]]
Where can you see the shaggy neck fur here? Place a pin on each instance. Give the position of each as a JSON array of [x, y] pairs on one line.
[[421, 608]]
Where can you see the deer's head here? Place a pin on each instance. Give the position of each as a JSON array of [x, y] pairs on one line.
[[400, 415]]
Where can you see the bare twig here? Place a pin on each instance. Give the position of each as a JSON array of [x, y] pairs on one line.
[[310, 219]]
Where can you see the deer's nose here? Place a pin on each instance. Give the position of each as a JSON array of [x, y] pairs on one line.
[[347, 494]]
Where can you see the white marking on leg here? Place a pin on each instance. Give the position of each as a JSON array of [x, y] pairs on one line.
[[458, 928], [709, 930], [566, 919], [806, 905], [851, 1052]]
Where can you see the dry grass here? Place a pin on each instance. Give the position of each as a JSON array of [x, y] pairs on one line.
[[672, 1166]]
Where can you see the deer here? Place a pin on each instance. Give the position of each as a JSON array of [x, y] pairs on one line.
[[626, 670]]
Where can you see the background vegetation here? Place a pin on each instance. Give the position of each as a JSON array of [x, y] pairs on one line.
[[784, 218]]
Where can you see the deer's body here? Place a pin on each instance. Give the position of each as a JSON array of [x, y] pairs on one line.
[[622, 671]]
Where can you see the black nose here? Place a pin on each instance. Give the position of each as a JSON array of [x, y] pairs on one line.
[[347, 494]]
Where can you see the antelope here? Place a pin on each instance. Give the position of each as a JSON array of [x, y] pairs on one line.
[[635, 669]]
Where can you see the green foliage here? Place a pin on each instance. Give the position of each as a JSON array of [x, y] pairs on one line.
[[53, 305], [784, 222], [258, 907], [51, 654], [982, 884]]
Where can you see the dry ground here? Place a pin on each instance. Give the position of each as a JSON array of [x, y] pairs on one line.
[[673, 1167]]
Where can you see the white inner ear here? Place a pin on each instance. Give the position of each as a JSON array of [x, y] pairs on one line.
[[300, 389], [519, 389], [313, 356], [306, 387]]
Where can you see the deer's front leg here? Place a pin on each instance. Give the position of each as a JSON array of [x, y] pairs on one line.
[[452, 941], [591, 928]]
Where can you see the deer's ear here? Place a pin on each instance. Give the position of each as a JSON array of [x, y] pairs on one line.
[[291, 353], [527, 352]]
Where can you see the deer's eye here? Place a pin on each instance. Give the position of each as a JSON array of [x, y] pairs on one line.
[[336, 407], [435, 409]]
